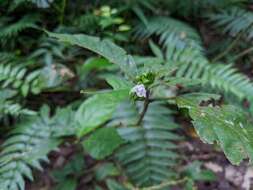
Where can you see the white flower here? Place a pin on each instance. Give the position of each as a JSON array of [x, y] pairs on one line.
[[139, 90]]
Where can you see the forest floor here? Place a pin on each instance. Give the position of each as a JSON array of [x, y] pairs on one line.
[[228, 177]]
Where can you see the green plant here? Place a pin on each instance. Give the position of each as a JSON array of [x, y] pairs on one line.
[[29, 143], [226, 118], [121, 110]]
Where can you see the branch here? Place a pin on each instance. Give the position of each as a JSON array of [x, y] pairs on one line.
[[226, 51], [246, 51], [145, 108]]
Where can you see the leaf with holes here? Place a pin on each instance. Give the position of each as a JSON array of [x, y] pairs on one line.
[[226, 125]]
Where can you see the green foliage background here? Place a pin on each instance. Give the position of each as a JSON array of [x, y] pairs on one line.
[[68, 72]]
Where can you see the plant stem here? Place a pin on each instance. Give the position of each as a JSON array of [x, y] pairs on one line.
[[145, 108], [163, 185], [62, 11], [246, 51], [229, 48]]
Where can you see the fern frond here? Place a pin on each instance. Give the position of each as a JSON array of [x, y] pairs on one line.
[[173, 33], [28, 144], [220, 77], [234, 21], [42, 3], [149, 154], [181, 41], [87, 21], [14, 109], [191, 62], [15, 4], [196, 8], [9, 31], [9, 107], [18, 77], [18, 153]]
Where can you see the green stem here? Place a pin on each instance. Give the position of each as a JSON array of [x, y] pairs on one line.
[[62, 11], [145, 108], [229, 48]]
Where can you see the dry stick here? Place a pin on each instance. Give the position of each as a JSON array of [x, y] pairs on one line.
[[230, 47], [145, 108], [246, 51]]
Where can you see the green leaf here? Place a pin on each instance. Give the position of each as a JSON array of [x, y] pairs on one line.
[[114, 185], [227, 125], [182, 81], [93, 63], [155, 49], [195, 98], [102, 142], [106, 170], [25, 89], [75, 166], [190, 185], [67, 184], [97, 110], [195, 172], [105, 47], [117, 82]]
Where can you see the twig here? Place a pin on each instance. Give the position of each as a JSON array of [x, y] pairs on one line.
[[246, 51], [229, 48], [164, 184], [145, 108]]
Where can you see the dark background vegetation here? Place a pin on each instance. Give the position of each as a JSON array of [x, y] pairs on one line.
[[41, 81]]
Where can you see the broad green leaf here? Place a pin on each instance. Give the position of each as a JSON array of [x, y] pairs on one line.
[[195, 98], [102, 142], [117, 82], [106, 170], [225, 125], [114, 185], [67, 184], [98, 109], [103, 47], [93, 63]]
